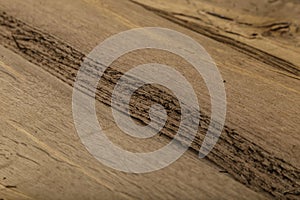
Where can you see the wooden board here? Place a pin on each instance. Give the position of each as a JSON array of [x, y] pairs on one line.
[[258, 149]]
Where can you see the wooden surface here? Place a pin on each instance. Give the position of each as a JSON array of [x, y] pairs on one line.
[[43, 44]]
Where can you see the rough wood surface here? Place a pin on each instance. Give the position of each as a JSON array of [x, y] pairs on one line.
[[259, 147]]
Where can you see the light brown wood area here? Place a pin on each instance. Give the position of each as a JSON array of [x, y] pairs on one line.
[[255, 45]]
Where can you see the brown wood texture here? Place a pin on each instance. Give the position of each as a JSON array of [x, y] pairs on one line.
[[257, 52]]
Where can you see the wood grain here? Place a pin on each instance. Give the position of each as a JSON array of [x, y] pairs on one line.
[[259, 146]]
